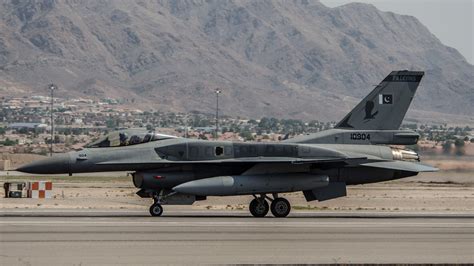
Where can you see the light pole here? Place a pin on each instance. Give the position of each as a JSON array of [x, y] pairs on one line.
[[52, 87], [186, 126], [217, 113]]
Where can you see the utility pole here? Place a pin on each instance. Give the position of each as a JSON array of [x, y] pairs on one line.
[[217, 113], [186, 126], [52, 87]]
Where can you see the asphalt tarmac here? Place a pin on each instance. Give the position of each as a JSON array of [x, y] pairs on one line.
[[68, 237]]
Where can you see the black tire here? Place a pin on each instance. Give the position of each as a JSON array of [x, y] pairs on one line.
[[280, 207], [156, 209], [259, 208]]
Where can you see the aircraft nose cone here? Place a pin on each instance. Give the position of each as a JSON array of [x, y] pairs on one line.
[[59, 164]]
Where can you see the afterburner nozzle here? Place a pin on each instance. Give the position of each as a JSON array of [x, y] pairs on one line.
[[405, 155]]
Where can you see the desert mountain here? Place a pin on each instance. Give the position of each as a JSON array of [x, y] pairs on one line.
[[281, 58]]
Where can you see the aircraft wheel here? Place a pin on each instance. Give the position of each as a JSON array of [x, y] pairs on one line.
[[259, 208], [156, 209], [280, 207]]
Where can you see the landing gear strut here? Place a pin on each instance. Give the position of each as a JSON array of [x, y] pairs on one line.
[[159, 197], [279, 207]]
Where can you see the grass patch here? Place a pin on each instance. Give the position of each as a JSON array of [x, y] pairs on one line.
[[308, 207]]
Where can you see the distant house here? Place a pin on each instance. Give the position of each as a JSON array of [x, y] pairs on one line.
[[204, 129], [27, 126]]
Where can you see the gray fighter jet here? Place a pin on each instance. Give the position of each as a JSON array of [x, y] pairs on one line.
[[178, 171]]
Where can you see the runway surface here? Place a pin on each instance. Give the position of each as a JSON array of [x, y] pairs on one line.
[[190, 237]]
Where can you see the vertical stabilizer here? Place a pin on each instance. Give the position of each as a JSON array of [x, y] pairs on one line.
[[385, 107]]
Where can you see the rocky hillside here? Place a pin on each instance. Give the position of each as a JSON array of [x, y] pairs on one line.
[[296, 59]]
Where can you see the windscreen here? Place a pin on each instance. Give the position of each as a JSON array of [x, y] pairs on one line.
[[127, 138]]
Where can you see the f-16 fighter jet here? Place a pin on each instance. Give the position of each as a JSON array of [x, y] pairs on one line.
[[173, 170]]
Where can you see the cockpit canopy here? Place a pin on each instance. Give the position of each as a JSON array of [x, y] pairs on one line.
[[127, 137]]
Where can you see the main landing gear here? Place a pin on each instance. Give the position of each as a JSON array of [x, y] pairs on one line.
[[279, 207]]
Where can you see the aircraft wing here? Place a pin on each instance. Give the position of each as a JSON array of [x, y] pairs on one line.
[[328, 159], [241, 160]]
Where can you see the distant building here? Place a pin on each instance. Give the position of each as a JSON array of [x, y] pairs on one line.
[[204, 129], [28, 126]]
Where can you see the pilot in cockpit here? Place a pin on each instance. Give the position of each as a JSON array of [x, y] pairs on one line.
[[127, 137]]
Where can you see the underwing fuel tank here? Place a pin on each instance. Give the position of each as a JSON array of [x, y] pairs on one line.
[[252, 184]]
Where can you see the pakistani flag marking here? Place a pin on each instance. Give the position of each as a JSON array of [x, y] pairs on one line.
[[385, 99]]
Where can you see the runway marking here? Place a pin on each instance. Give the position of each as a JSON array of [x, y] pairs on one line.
[[245, 223], [243, 215], [237, 213], [197, 241]]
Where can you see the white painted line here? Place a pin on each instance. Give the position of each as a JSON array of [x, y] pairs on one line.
[[246, 223], [80, 212]]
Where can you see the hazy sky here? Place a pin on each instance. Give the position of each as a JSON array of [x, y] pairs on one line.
[[449, 20]]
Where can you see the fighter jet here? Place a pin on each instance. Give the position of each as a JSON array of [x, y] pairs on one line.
[[177, 171]]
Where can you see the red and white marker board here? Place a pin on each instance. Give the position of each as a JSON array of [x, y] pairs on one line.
[[40, 190]]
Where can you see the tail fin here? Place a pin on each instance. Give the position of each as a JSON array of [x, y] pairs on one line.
[[385, 107]]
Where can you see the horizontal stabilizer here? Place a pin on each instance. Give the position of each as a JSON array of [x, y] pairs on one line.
[[402, 165]]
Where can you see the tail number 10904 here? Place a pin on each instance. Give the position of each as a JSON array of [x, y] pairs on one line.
[[360, 136]]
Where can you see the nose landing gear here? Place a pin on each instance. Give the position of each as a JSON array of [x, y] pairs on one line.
[[156, 209], [158, 198], [280, 207]]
